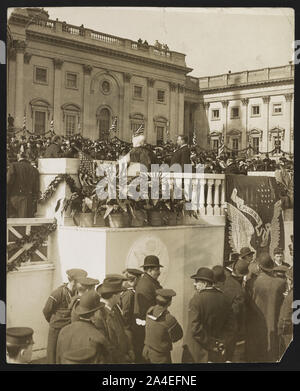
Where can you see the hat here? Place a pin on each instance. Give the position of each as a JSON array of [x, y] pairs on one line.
[[241, 268], [115, 276], [204, 273], [135, 272], [265, 262], [87, 281], [16, 336], [219, 273], [165, 293], [89, 303], [74, 274], [278, 250], [152, 261], [290, 273], [245, 251], [79, 356], [111, 285]]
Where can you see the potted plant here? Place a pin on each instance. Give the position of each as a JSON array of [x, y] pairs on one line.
[[117, 212]]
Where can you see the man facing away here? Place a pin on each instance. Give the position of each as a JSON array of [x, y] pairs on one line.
[[19, 344], [182, 155]]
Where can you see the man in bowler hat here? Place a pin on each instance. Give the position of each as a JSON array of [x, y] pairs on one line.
[[19, 343], [57, 310], [210, 321], [162, 329], [145, 297]]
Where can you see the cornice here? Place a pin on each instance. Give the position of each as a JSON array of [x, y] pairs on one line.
[[109, 52]]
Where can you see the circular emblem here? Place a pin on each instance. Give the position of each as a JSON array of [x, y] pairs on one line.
[[148, 245], [105, 87]]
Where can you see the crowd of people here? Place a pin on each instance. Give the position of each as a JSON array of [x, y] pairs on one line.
[[238, 313]]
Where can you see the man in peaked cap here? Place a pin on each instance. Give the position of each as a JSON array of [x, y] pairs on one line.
[[83, 333], [80, 356], [145, 297], [19, 344], [279, 257], [57, 310], [210, 321], [84, 284], [266, 298], [285, 323], [111, 320], [162, 329]]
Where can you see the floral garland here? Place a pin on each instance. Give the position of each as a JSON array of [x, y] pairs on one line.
[[48, 193], [34, 240]]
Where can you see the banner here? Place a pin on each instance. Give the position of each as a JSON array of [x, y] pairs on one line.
[[254, 215]]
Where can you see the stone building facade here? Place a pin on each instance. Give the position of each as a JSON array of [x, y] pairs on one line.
[[84, 81]]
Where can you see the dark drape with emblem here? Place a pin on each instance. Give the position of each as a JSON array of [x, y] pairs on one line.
[[254, 215]]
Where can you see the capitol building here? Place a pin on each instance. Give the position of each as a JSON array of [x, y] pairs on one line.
[[84, 80]]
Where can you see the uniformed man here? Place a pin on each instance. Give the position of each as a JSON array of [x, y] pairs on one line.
[[83, 333], [84, 284], [80, 356], [285, 323], [111, 320], [162, 329], [145, 297], [210, 321], [279, 257], [19, 343], [57, 310]]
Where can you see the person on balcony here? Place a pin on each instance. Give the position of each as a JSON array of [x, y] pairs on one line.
[[182, 155], [54, 148], [22, 188]]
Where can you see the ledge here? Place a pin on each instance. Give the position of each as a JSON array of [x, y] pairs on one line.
[[33, 268]]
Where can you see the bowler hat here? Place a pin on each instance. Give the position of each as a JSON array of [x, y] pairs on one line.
[[278, 250], [16, 336], [89, 303], [74, 274], [266, 262], [245, 251], [110, 285], [219, 273], [79, 356], [241, 268], [152, 261], [204, 273]]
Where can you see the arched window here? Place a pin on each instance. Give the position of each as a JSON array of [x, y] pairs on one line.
[[40, 112], [71, 118], [104, 123]]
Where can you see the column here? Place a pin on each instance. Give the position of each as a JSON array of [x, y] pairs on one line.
[[87, 122], [58, 127], [180, 108], [217, 209], [150, 131], [186, 126], [209, 200], [202, 196], [173, 112], [244, 143], [288, 130], [225, 113], [126, 131], [265, 146], [20, 47]]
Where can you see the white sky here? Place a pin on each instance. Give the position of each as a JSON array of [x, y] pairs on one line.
[[214, 40]]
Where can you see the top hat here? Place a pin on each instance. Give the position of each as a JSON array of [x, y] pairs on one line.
[[245, 251], [219, 273], [266, 262], [205, 274], [111, 285], [89, 303], [152, 261], [74, 274], [16, 336], [241, 268]]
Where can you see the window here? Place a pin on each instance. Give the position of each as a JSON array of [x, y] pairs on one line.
[[70, 124], [104, 120], [161, 96], [215, 114], [235, 144], [71, 79], [277, 142], [235, 112], [215, 145], [39, 122], [159, 135], [277, 108], [255, 145], [41, 75], [255, 110], [138, 92]]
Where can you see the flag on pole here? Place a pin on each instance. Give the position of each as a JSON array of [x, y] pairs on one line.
[[24, 120], [139, 131], [113, 127], [221, 147], [52, 126], [194, 138]]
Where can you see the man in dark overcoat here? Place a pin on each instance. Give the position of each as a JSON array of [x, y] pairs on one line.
[[23, 188], [54, 149], [210, 322], [83, 333], [182, 155], [57, 310], [145, 297]]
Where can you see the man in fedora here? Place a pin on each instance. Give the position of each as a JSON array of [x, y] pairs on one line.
[[247, 255], [19, 343], [83, 333], [57, 310], [210, 321], [162, 329], [266, 300], [144, 299], [111, 316], [84, 284]]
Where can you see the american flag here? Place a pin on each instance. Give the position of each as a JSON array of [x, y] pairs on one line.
[[194, 138], [113, 127], [220, 149], [86, 170], [139, 131]]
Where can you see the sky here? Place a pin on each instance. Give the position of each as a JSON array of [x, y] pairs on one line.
[[215, 40]]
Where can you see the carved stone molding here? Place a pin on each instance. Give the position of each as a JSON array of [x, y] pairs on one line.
[[27, 57], [288, 97], [225, 103], [57, 63], [245, 101], [266, 99], [20, 46], [180, 88], [150, 82], [87, 69], [173, 86], [127, 77]]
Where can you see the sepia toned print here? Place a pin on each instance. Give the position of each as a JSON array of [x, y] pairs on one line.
[[149, 186]]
